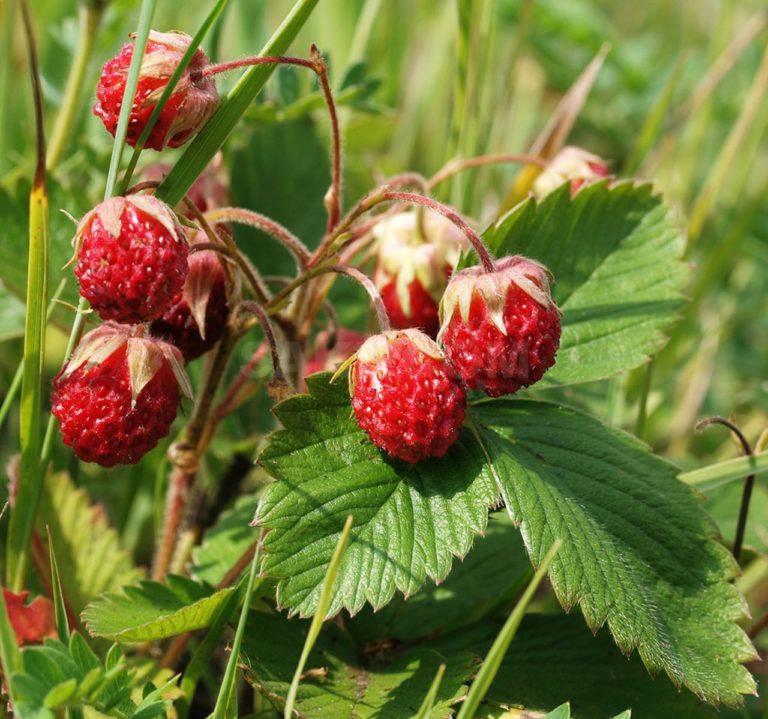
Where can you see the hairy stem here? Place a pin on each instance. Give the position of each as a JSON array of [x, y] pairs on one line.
[[456, 166], [261, 222], [749, 482]]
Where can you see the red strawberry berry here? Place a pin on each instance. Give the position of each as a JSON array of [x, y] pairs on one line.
[[406, 396], [501, 329], [131, 258], [571, 164], [415, 258], [192, 102], [196, 319], [118, 394]]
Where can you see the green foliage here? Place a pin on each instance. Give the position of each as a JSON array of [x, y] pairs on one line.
[[337, 684], [615, 253], [638, 551], [151, 610], [88, 552], [224, 543], [409, 520], [56, 676]]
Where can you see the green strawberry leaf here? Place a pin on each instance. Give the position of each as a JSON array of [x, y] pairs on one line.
[[616, 257], [409, 520], [639, 553], [88, 552], [489, 577], [337, 684], [555, 660], [150, 610]]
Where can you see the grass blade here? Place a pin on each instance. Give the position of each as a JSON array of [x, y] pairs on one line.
[[721, 473], [750, 124], [317, 620], [228, 682], [429, 700], [30, 482], [62, 625], [205, 145], [496, 653], [139, 45], [15, 385], [185, 60]]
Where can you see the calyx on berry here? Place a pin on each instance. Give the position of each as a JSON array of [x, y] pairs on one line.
[[406, 396], [131, 257], [416, 251], [192, 102], [571, 164], [501, 329], [118, 394]]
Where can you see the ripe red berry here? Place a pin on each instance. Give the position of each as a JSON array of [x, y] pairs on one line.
[[118, 394], [196, 320], [191, 103], [131, 258], [406, 396], [571, 164], [501, 329], [415, 258]]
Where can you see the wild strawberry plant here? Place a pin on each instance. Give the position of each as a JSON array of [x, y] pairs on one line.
[[301, 436]]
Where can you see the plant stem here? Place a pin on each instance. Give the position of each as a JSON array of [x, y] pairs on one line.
[[450, 214], [256, 60], [261, 222], [185, 453], [746, 496], [258, 311], [89, 19], [228, 402], [457, 166]]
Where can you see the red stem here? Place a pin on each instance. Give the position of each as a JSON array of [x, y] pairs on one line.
[[256, 60], [450, 214]]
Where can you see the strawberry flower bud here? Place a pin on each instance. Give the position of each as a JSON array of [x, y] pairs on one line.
[[571, 164]]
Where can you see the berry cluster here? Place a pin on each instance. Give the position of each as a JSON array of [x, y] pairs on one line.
[[164, 305], [499, 331]]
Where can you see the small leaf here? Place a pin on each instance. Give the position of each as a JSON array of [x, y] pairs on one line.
[[638, 553], [409, 520], [88, 552], [151, 610], [616, 257]]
